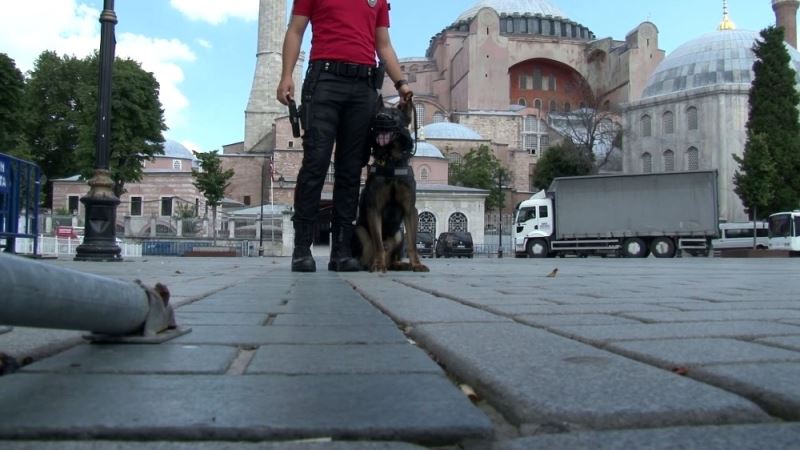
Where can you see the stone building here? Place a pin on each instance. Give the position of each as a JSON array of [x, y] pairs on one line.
[[694, 108]]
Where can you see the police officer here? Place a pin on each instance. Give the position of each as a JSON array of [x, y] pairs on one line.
[[338, 101]]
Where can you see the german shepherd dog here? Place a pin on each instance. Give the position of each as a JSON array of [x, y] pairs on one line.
[[389, 196]]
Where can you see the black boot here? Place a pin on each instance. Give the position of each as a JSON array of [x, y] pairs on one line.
[[302, 261], [341, 250]]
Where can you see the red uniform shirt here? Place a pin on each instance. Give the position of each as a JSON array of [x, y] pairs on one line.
[[343, 30]]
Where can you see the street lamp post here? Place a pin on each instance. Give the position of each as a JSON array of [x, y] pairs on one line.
[[261, 214], [101, 202], [500, 212]]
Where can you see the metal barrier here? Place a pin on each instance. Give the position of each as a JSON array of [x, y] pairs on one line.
[[20, 185], [44, 296]]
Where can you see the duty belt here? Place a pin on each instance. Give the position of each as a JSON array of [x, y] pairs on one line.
[[344, 69]]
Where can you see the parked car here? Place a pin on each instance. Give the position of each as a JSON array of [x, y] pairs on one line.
[[740, 235], [454, 244], [425, 244]]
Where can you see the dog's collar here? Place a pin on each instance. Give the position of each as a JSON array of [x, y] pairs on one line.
[[394, 171]]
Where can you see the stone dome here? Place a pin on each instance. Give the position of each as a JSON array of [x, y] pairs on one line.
[[449, 131], [176, 150], [532, 7], [718, 58], [428, 150]]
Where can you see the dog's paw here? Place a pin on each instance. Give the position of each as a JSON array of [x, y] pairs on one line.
[[400, 266], [420, 268]]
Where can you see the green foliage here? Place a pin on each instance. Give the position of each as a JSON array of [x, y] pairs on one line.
[[12, 85], [481, 169], [563, 160], [60, 110], [768, 171], [212, 181], [755, 182]]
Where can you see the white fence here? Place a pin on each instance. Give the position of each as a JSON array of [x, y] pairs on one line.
[[54, 247]]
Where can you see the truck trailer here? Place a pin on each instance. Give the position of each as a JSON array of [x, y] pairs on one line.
[[629, 215]]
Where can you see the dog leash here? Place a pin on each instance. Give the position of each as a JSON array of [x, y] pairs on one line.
[[416, 127]]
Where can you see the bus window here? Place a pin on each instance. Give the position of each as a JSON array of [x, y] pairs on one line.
[[796, 226], [780, 225]]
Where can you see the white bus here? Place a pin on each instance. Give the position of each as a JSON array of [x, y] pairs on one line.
[[784, 231]]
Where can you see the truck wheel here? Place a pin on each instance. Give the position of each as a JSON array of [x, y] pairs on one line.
[[663, 247], [537, 248], [634, 248]]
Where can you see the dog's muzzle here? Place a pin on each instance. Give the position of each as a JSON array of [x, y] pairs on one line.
[[383, 138]]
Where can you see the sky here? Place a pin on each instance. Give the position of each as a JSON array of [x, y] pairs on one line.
[[203, 52]]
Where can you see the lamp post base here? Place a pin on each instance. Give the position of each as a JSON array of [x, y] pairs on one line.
[[99, 243]]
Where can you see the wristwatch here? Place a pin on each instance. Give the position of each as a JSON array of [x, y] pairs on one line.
[[399, 83]]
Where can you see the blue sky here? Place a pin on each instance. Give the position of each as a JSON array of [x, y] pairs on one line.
[[203, 51]]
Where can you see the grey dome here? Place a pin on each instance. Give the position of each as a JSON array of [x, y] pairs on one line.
[[717, 58], [176, 150], [449, 130], [531, 7], [428, 150]]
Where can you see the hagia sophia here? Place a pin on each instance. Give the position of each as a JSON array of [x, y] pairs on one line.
[[506, 74]]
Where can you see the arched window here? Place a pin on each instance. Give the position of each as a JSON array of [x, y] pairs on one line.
[[669, 123], [534, 134], [553, 106], [420, 110], [567, 107], [427, 223], [438, 117], [424, 173], [692, 159], [646, 126], [457, 222], [691, 118], [522, 101], [537, 103], [647, 162], [669, 161]]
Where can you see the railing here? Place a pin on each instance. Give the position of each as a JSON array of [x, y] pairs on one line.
[[20, 183], [54, 247]]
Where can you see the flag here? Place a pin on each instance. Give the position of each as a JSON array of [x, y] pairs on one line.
[[272, 169]]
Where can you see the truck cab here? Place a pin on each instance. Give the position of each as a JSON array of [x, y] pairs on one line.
[[534, 226]]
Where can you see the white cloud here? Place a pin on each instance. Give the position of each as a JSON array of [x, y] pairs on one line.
[[74, 29], [203, 43], [216, 12]]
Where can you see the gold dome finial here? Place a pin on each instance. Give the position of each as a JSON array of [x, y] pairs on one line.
[[727, 23]]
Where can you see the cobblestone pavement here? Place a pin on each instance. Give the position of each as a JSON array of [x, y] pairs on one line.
[[610, 353]]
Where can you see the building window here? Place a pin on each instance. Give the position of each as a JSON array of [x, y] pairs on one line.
[[645, 123], [692, 159], [246, 200], [669, 123], [553, 106], [525, 82], [331, 173], [454, 162], [427, 223], [537, 103], [438, 117], [647, 162], [551, 83], [72, 204], [522, 101], [424, 173], [457, 222], [177, 164], [166, 206], [534, 135], [691, 118], [669, 161], [419, 109], [567, 107], [136, 206], [537, 79]]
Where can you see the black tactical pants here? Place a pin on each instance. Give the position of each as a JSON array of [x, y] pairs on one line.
[[335, 109]]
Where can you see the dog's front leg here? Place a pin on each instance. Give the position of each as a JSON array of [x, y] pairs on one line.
[[379, 253]]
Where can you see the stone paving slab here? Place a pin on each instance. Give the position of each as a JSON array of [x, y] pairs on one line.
[[544, 378], [207, 318], [726, 306], [205, 445], [671, 353], [776, 385], [251, 335], [315, 320], [603, 334], [341, 359], [788, 342], [546, 321], [714, 316], [601, 308], [408, 407], [139, 359], [410, 306], [725, 437], [35, 343]]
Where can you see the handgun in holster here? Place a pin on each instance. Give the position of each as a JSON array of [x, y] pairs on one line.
[[294, 119]]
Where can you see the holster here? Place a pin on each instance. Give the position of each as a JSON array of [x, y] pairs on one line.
[[377, 76]]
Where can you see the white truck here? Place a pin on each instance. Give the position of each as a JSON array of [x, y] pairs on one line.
[[621, 215]]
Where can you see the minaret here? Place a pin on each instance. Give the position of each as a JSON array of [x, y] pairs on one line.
[[263, 108], [786, 18]]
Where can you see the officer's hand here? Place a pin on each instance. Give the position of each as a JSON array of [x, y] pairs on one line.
[[405, 94], [285, 90]]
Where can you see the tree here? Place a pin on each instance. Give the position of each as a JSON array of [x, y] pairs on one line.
[[212, 181], [768, 179], [563, 160], [754, 181], [60, 118], [12, 85], [594, 127], [137, 123], [481, 169]]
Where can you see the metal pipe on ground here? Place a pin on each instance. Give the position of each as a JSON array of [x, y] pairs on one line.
[[39, 295]]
